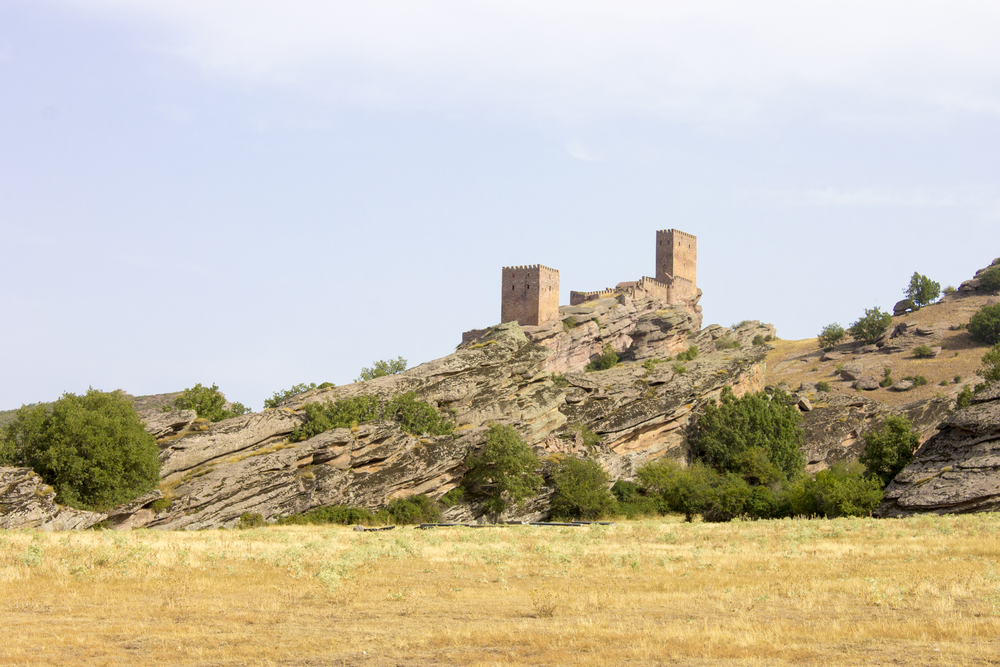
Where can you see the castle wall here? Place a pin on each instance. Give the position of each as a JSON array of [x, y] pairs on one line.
[[676, 256], [681, 290], [530, 295]]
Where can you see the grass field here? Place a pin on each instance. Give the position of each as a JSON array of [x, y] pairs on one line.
[[921, 591]]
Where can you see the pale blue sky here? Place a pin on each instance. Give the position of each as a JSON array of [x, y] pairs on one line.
[[258, 194]]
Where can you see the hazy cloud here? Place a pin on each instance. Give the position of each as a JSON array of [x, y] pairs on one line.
[[581, 152]]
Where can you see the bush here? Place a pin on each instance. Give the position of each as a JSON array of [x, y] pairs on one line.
[[923, 352], [984, 326], [990, 371], [842, 490], [728, 432], [679, 369], [504, 470], [607, 359], [345, 515], [569, 323], [321, 417], [412, 509], [890, 448], [831, 336], [823, 386], [869, 327], [581, 490], [758, 339], [886, 378], [382, 368], [417, 417], [251, 520], [689, 354], [964, 399], [92, 449], [208, 403], [633, 501], [990, 280], [922, 290], [294, 390], [452, 498], [726, 343]]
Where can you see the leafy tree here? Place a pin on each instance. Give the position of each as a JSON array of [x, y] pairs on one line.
[[841, 490], [689, 491], [984, 325], [990, 371], [581, 490], [294, 390], [607, 359], [890, 448], [92, 449], [872, 325], [504, 471], [729, 432], [382, 368], [417, 417], [922, 290], [990, 280], [831, 336], [209, 403]]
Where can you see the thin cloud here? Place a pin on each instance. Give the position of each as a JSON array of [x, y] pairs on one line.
[[581, 152]]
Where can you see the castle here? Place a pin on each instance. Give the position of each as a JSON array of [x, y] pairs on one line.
[[530, 294]]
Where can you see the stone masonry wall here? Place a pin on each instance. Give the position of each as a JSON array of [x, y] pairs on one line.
[[530, 295], [676, 256]]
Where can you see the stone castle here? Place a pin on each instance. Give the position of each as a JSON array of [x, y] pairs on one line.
[[530, 294]]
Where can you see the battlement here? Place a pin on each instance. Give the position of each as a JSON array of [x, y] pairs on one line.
[[529, 294], [539, 267], [677, 232], [676, 256]]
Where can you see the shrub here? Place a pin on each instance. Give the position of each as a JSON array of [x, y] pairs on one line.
[[209, 403], [345, 515], [504, 470], [559, 380], [728, 431], [452, 498], [321, 417], [581, 490], [990, 280], [886, 378], [842, 490], [964, 399], [923, 352], [679, 369], [633, 501], [823, 386], [417, 417], [689, 354], [607, 359], [92, 449], [294, 390], [412, 509], [569, 323], [922, 290], [919, 381], [870, 326], [990, 371], [381, 368], [890, 448], [758, 339], [950, 289], [984, 326], [251, 520], [726, 343], [831, 336]]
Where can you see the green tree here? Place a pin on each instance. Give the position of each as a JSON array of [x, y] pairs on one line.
[[417, 417], [984, 325], [504, 471], [607, 359], [873, 324], [294, 390], [922, 290], [581, 490], [989, 281], [888, 449], [753, 435], [209, 403], [381, 368], [92, 449], [990, 371], [831, 336], [841, 490]]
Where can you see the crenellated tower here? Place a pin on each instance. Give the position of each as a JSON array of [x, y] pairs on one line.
[[676, 256], [530, 295]]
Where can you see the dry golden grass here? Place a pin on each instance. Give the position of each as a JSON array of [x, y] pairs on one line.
[[922, 591]]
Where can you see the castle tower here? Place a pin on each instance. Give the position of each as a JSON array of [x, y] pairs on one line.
[[676, 256], [530, 295]]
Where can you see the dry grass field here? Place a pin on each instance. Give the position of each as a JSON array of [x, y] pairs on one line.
[[921, 591]]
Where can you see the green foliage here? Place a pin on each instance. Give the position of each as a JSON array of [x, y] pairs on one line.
[[831, 336], [950, 289], [923, 352], [886, 380], [581, 490], [412, 509], [294, 390], [559, 380], [726, 343], [590, 438], [984, 326], [634, 502], [990, 280], [417, 417], [343, 413], [842, 490], [345, 515], [650, 364], [823, 386], [504, 470], [381, 368], [729, 432], [251, 520], [689, 354], [92, 449], [569, 323], [869, 327], [209, 403], [922, 290], [990, 371], [890, 448], [679, 369], [607, 359], [758, 339], [452, 498]]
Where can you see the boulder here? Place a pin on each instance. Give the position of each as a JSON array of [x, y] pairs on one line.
[[902, 307], [853, 370], [867, 349], [902, 385], [27, 502], [868, 382]]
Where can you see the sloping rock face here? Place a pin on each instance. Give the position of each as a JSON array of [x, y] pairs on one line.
[[972, 287], [957, 470], [26, 502], [639, 411]]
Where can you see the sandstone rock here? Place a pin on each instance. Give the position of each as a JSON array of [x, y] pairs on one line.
[[831, 356], [804, 405], [901, 385], [161, 424], [853, 370], [868, 383], [867, 349], [26, 502], [902, 307]]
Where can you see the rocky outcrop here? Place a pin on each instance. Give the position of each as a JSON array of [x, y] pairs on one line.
[[955, 471], [972, 287], [27, 502]]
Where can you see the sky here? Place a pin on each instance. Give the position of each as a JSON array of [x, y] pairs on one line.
[[256, 194]]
